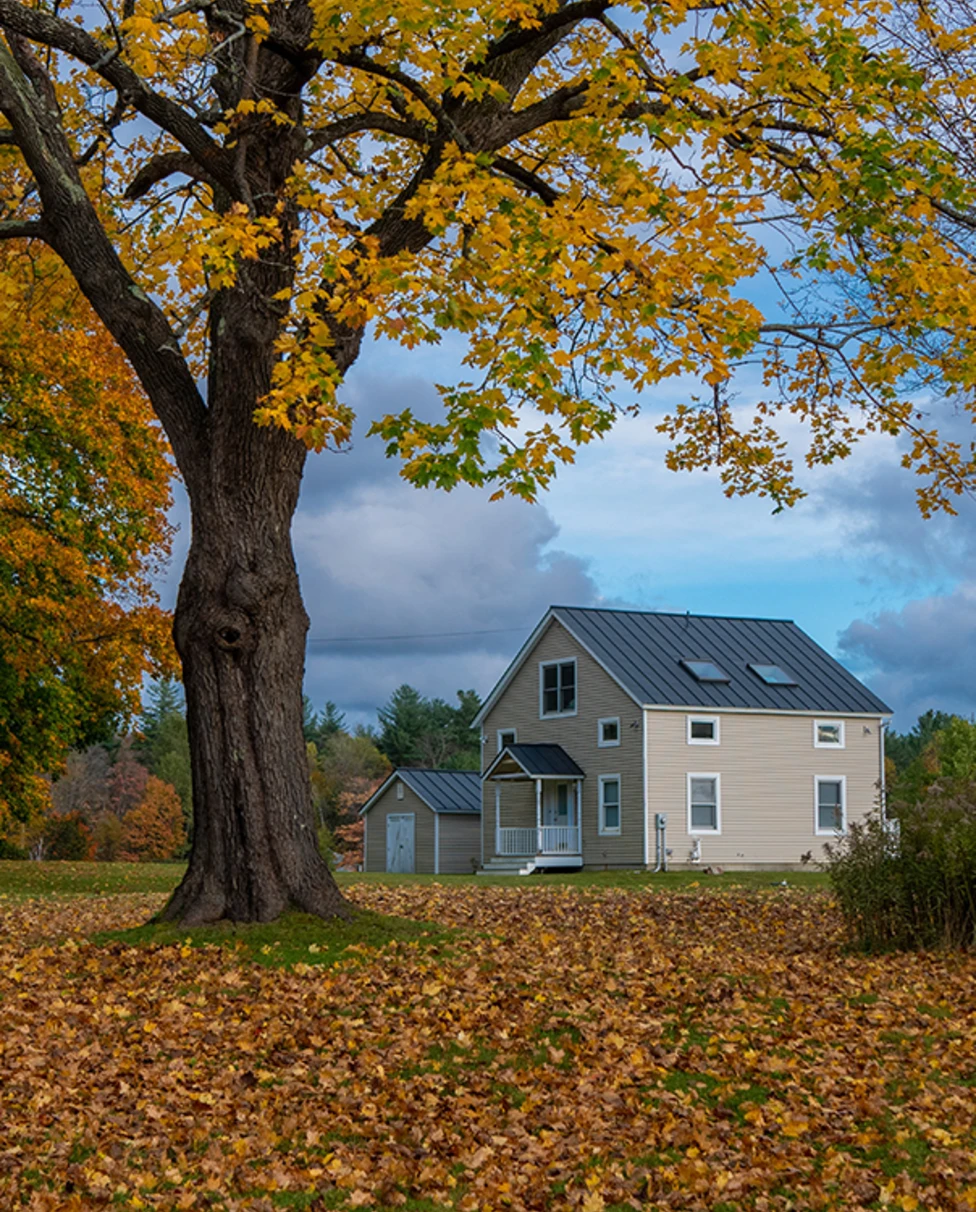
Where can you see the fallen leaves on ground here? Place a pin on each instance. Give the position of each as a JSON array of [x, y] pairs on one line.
[[569, 1049]]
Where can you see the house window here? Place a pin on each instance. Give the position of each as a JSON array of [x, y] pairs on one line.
[[609, 803], [608, 732], [704, 804], [703, 730], [828, 734], [399, 791], [557, 685], [831, 805], [506, 736]]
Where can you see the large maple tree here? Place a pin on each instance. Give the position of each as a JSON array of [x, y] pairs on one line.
[[584, 191]]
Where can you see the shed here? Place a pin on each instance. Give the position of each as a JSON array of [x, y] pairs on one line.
[[424, 821]]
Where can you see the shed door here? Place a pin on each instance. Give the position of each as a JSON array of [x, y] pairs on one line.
[[399, 842]]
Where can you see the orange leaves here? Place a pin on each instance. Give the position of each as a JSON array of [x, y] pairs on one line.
[[662, 1050]]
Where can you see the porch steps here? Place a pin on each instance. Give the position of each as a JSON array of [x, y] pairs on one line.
[[505, 865]]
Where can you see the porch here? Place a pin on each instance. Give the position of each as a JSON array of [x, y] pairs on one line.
[[552, 834]]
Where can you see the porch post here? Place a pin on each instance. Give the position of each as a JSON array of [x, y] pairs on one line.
[[579, 815], [498, 818], [538, 815]]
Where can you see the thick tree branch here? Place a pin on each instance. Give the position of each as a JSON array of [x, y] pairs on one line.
[[74, 40], [27, 229], [416, 132], [159, 168], [74, 230]]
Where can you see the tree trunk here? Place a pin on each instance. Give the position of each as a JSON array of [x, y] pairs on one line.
[[240, 630]]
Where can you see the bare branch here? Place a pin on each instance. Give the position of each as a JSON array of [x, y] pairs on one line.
[[416, 132], [159, 168]]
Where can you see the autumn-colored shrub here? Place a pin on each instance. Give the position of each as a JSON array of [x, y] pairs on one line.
[[153, 830], [349, 842], [910, 882], [108, 837], [69, 838]]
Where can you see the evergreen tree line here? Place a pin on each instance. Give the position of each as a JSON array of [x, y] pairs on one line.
[[130, 797]]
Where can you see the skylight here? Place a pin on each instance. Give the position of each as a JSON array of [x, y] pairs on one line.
[[705, 671], [773, 675]]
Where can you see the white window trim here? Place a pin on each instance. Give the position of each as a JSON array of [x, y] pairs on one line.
[[698, 831], [601, 827], [498, 737], [600, 742], [555, 715], [704, 719], [399, 791], [818, 744], [829, 778]]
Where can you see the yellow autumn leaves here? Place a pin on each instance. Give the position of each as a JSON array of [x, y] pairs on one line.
[[695, 1050]]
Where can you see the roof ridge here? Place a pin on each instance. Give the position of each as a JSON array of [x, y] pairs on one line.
[[676, 614], [432, 770]]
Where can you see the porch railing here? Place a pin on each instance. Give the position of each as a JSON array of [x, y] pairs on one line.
[[549, 839], [517, 841], [559, 839]]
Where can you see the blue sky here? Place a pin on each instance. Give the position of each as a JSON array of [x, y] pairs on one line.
[[853, 564]]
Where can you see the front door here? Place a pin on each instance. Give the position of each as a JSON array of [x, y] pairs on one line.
[[399, 842], [557, 805]]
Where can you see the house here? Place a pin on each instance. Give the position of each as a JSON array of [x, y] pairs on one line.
[[424, 821], [754, 744]]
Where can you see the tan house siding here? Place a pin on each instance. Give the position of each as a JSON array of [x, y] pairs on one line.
[[460, 843], [423, 829], [767, 765], [597, 696]]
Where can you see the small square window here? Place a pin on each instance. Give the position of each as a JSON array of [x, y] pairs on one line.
[[608, 732], [506, 736], [609, 803], [705, 671], [828, 734], [558, 688], [704, 803], [831, 808], [703, 730]]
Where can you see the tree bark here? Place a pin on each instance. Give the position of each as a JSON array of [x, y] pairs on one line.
[[240, 630]]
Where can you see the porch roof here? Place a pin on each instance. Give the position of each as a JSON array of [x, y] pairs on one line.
[[535, 762]]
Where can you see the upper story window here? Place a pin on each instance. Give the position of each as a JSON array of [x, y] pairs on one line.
[[399, 793], [773, 675], [705, 671], [703, 730], [828, 734], [608, 732], [506, 736], [557, 687]]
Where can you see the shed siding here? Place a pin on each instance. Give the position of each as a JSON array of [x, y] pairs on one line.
[[460, 843], [423, 830], [767, 765], [597, 696]]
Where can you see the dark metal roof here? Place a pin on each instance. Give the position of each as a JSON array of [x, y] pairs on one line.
[[445, 790], [644, 650], [540, 760]]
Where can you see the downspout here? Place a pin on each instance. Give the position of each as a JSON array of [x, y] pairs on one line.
[[882, 729], [647, 806]]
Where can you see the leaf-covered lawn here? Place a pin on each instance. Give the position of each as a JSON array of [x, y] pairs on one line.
[[555, 1047]]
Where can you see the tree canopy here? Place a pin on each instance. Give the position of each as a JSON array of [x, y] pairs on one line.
[[84, 484]]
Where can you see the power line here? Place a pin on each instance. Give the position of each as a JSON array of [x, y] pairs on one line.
[[419, 635]]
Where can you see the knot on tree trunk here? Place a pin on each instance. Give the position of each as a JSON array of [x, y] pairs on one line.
[[233, 632]]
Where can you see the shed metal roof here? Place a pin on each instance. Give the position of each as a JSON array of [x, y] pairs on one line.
[[445, 790], [643, 651], [539, 761]]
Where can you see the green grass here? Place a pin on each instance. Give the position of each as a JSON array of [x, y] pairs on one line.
[[294, 938], [606, 879], [20, 880]]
